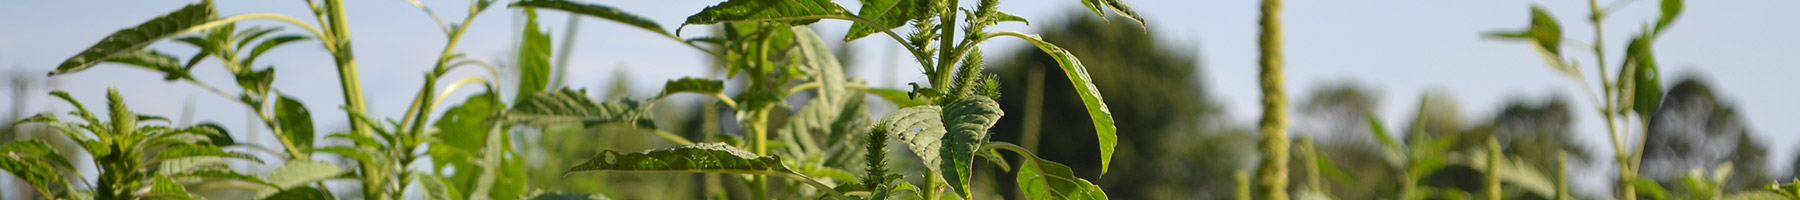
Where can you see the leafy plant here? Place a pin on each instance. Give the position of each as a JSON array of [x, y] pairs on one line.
[[134, 160], [766, 41], [1635, 91]]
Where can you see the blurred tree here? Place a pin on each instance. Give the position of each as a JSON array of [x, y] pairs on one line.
[[1537, 131], [1336, 114], [1155, 95], [1694, 130]]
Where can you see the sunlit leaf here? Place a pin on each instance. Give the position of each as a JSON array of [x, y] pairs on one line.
[[298, 173], [1090, 96], [31, 170], [37, 149], [792, 12], [700, 158], [573, 106], [132, 39], [890, 13], [435, 189]]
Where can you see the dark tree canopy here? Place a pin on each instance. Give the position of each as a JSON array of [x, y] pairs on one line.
[[1696, 130]]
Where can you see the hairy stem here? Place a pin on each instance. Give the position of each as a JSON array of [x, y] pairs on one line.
[[1273, 175]]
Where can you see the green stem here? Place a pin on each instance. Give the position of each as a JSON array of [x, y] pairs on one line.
[[1493, 169], [1273, 175], [946, 42], [759, 130]]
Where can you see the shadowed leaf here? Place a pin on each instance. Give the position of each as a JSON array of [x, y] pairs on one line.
[[132, 39]]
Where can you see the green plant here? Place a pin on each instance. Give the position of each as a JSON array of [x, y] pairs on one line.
[[134, 157], [1635, 91], [944, 121], [1272, 176]]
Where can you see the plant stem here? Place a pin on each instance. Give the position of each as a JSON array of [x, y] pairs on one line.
[[946, 45], [759, 129], [352, 88], [1273, 175], [1493, 169]]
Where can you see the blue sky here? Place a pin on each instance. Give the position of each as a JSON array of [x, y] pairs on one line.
[[1404, 47]]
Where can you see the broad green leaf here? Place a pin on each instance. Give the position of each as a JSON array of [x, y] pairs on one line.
[[295, 122], [710, 87], [922, 129], [301, 193], [890, 13], [966, 121], [33, 171], [256, 82], [1090, 96], [596, 10], [222, 138], [900, 98], [37, 149], [1670, 10], [541, 195], [150, 59], [1649, 187], [573, 106], [298, 173], [1045, 179], [792, 12], [534, 58], [1544, 31], [166, 188], [464, 126], [132, 39], [1644, 75]]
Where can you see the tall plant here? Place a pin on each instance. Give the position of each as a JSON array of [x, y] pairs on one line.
[[1635, 91], [1272, 176]]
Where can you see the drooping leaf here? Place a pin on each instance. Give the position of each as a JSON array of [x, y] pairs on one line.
[[890, 13], [596, 10], [792, 12], [701, 158], [301, 193], [298, 173], [710, 87], [1090, 96], [967, 121], [533, 59], [922, 129], [573, 106], [1544, 31], [132, 39], [1045, 179], [186, 151], [150, 59], [295, 122]]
